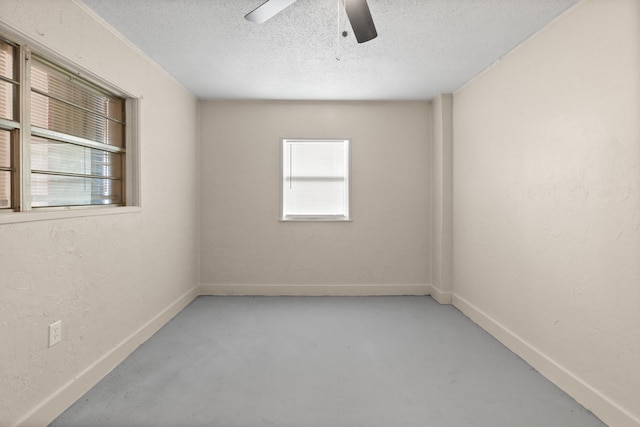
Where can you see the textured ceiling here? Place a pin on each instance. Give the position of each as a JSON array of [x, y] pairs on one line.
[[424, 47]]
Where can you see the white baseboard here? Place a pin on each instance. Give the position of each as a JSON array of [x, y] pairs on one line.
[[443, 297], [314, 290], [603, 407], [49, 409]]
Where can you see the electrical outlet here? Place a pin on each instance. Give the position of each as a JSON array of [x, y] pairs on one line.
[[55, 333]]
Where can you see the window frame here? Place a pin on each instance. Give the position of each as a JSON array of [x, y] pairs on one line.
[[21, 210], [346, 217]]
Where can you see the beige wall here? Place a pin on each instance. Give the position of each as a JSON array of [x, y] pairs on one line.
[[242, 241], [547, 204], [105, 277]]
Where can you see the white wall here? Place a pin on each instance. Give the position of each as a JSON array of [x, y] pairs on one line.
[[547, 204], [105, 277], [243, 243]]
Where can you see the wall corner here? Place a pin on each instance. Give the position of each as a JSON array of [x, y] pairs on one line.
[[442, 195]]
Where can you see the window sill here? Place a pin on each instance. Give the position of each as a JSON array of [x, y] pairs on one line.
[[48, 214], [316, 219]]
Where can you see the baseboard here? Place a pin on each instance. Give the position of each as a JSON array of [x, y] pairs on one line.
[[50, 408], [599, 404], [443, 297], [314, 290]]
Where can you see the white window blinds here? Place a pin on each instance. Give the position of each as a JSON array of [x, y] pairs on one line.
[[315, 179]]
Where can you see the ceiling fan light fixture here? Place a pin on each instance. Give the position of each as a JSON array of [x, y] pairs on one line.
[[361, 21], [268, 10]]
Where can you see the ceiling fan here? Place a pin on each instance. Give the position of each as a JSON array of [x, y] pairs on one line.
[[357, 12]]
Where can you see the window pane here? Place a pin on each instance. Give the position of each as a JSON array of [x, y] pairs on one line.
[[7, 53], [56, 190], [5, 149], [67, 88], [7, 70], [5, 189], [317, 160], [55, 156], [316, 198], [6, 100], [54, 115], [315, 178]]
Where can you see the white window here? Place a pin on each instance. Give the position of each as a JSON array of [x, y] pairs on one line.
[[63, 139], [315, 180]]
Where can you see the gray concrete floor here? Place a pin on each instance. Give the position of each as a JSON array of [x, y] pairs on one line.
[[323, 361]]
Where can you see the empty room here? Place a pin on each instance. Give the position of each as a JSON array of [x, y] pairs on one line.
[[319, 213]]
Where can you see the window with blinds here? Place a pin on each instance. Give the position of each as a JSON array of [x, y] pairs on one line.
[[70, 141], [77, 140], [8, 122], [315, 180]]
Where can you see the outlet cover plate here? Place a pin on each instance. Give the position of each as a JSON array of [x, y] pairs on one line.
[[55, 333]]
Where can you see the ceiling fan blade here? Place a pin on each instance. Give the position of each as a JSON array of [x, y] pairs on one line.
[[360, 19], [267, 10]]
